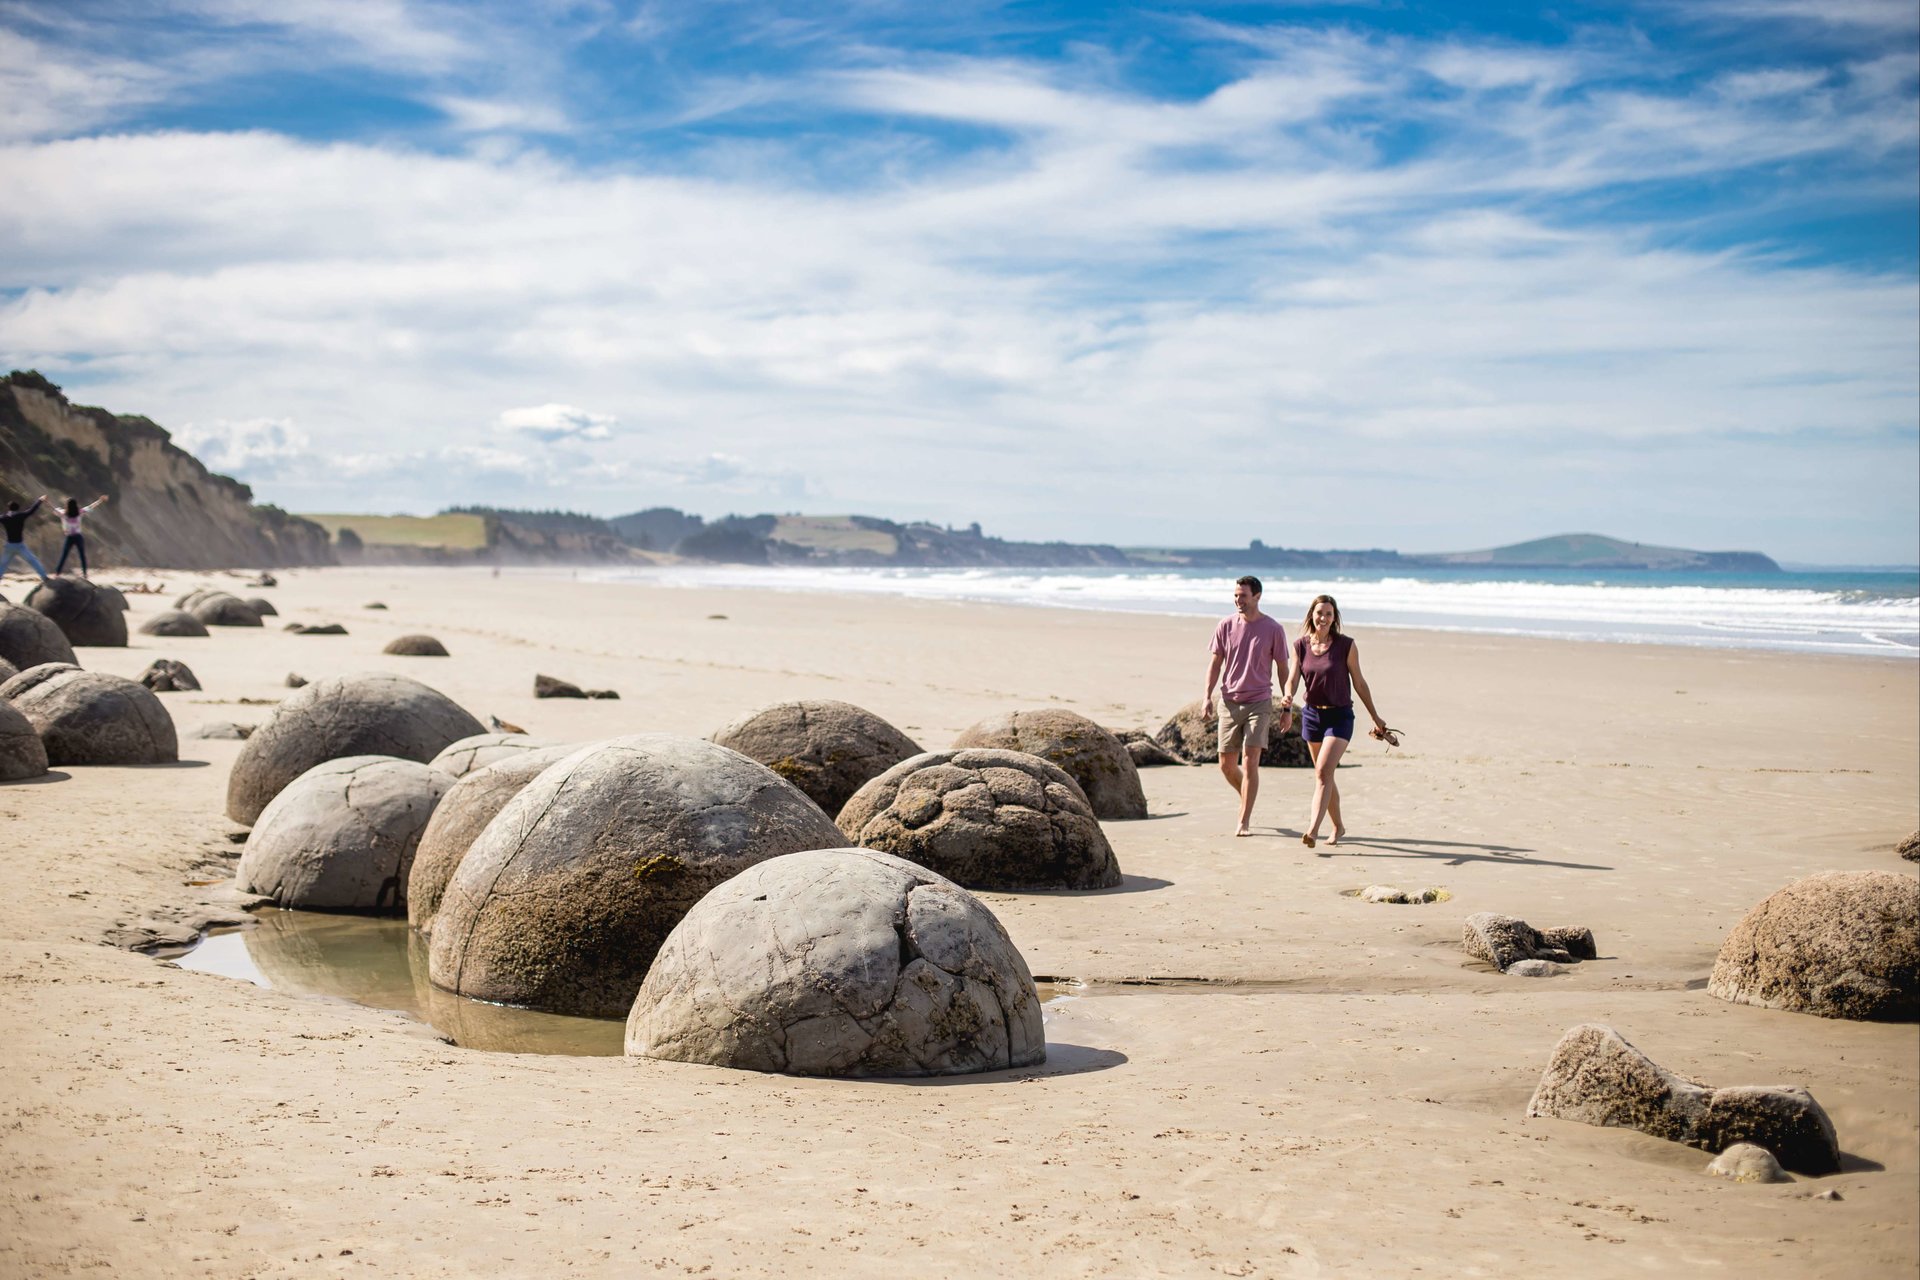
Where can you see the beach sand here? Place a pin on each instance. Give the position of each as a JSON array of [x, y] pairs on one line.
[[1348, 1098]]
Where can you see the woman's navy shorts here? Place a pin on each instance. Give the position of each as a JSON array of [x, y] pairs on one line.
[[1326, 722]]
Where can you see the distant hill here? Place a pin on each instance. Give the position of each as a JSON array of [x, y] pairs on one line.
[[1597, 551], [165, 509]]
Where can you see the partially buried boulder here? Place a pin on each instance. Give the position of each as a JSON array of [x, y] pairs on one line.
[[1843, 944], [165, 675], [828, 749], [1504, 941], [261, 606], [316, 629], [1745, 1162], [341, 836], [1195, 736], [1093, 757], [350, 715], [174, 622], [564, 898], [90, 717], [1910, 847], [87, 615], [22, 754], [986, 819], [464, 812], [29, 638], [1596, 1077], [482, 749], [218, 609], [555, 687], [839, 962], [1145, 751], [416, 647]]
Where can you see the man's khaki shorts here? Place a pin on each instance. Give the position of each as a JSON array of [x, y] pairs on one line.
[[1244, 722]]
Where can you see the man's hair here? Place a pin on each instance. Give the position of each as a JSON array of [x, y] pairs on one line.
[[1248, 581], [12, 505]]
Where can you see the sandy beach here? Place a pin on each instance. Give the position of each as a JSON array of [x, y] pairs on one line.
[[1338, 1091]]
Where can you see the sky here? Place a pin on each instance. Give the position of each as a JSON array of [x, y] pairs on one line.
[[1419, 276]]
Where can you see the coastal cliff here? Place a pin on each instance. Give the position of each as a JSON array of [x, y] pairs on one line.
[[166, 510]]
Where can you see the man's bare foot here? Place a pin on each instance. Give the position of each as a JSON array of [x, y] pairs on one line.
[[1306, 838]]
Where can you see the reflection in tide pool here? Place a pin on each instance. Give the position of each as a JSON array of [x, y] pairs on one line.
[[383, 964]]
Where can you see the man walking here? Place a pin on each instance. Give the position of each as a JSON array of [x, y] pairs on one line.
[[15, 525], [1246, 648]]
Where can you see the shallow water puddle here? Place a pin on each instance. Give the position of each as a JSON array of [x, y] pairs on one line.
[[382, 964]]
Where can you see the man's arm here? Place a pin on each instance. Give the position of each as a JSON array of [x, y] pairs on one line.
[[1213, 676]]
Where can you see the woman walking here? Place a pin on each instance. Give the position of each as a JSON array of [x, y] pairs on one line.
[[76, 541], [1329, 664]]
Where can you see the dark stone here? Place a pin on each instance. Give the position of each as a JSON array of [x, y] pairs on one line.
[[218, 609], [85, 614], [554, 687], [174, 623], [29, 638], [261, 606], [318, 629], [168, 676], [416, 647], [22, 754]]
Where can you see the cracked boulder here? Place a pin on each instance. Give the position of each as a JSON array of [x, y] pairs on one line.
[[1596, 1077], [219, 609], [90, 717], [985, 818], [476, 798], [828, 749], [29, 638], [1843, 944], [341, 836], [22, 754], [839, 962], [1093, 757], [88, 616], [173, 622], [1504, 941], [562, 901], [1196, 737], [164, 675], [351, 715], [418, 646], [483, 749]]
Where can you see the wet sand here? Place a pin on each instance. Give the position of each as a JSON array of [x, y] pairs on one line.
[[1355, 1105]]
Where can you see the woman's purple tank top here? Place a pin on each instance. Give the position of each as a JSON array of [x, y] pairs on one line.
[[1326, 678]]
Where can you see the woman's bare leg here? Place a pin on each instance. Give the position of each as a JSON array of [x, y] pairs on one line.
[[1326, 758]]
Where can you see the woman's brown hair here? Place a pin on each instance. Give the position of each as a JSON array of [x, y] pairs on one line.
[[1306, 624]]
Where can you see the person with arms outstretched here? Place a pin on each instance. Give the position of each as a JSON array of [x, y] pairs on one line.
[[76, 541], [14, 522]]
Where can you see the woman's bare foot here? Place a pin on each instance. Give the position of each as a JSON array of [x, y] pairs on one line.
[[1244, 830], [1337, 833], [1306, 839]]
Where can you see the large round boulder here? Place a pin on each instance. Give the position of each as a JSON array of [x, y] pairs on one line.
[[827, 749], [22, 754], [1196, 736], [29, 637], [218, 609], [985, 818], [483, 749], [90, 717], [839, 962], [562, 901], [7, 671], [87, 615], [341, 836], [1094, 758], [475, 800], [351, 715], [1843, 944], [261, 606], [173, 622]]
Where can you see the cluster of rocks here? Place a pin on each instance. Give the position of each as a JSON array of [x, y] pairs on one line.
[[1511, 945], [554, 687], [164, 675]]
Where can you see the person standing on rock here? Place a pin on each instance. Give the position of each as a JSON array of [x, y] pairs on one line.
[[1329, 665], [76, 541], [14, 522], [1246, 648]]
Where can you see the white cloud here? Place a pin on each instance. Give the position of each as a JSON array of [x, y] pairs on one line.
[[552, 422]]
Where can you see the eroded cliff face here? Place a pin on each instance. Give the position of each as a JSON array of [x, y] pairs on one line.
[[166, 510]]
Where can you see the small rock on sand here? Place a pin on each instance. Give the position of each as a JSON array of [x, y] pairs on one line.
[[1745, 1162], [224, 729], [295, 680], [1910, 847], [1534, 968], [317, 629], [1411, 897], [416, 646], [554, 687], [167, 676]]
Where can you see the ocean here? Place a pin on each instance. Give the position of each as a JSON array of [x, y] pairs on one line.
[[1866, 612]]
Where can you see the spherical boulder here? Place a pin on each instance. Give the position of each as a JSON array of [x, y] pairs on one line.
[[416, 647], [350, 715], [475, 799], [1842, 944], [7, 671], [1094, 758], [341, 836], [827, 749], [173, 622], [218, 609], [562, 901], [87, 615], [261, 606], [483, 749], [90, 717], [839, 962], [29, 637], [1194, 735], [985, 818], [22, 754]]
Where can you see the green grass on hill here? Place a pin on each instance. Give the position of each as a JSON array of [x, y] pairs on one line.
[[459, 532], [833, 533]]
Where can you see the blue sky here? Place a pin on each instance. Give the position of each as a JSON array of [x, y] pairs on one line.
[[1405, 275]]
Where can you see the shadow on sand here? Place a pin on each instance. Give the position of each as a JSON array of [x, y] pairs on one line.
[[1453, 852], [51, 775], [1062, 1060]]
